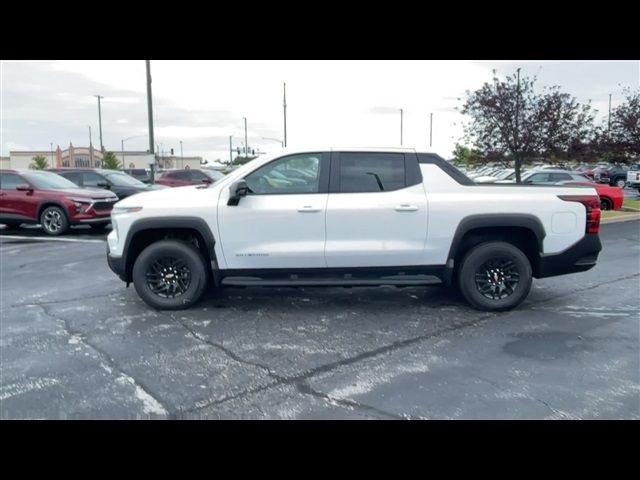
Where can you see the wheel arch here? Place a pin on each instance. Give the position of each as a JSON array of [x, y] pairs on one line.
[[146, 231], [525, 231]]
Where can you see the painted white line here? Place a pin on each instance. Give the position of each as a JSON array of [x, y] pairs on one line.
[[52, 239]]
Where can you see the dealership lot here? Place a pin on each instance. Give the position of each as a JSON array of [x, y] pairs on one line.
[[77, 344]]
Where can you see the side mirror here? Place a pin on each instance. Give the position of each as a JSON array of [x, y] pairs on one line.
[[206, 180], [103, 185], [238, 190], [23, 187]]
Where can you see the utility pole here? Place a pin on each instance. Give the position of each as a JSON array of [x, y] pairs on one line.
[[431, 130], [284, 105], [401, 114], [181, 155], [150, 114], [517, 157], [246, 143], [90, 142], [100, 121], [609, 121], [230, 149], [52, 155]]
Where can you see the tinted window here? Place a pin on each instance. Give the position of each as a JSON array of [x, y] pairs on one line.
[[73, 176], [371, 172], [559, 177], [294, 174], [123, 180], [90, 179], [580, 178], [9, 181], [195, 175], [183, 175], [538, 178]]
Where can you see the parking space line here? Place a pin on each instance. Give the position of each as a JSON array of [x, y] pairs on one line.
[[51, 239]]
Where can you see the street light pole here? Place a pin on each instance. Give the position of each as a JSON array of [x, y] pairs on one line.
[[100, 121], [430, 130], [401, 114], [122, 142], [609, 121], [284, 105], [282, 144], [517, 155], [230, 149], [181, 155], [246, 143], [150, 115], [52, 155]]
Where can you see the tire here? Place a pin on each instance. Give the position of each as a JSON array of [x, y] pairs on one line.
[[172, 258], [54, 221], [480, 261], [620, 182], [605, 204]]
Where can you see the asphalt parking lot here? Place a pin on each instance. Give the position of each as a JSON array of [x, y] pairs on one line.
[[75, 343]]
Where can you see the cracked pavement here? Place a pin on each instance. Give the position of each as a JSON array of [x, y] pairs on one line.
[[75, 343]]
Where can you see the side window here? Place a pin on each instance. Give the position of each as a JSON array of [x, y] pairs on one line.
[[538, 178], [293, 174], [180, 175], [72, 176], [9, 181], [90, 179], [371, 172], [559, 177], [196, 175]]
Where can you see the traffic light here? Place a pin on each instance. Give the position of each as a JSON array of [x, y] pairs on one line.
[[253, 152], [172, 152], [238, 150]]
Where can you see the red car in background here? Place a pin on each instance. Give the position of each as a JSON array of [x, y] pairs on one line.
[[181, 178], [611, 198], [36, 196]]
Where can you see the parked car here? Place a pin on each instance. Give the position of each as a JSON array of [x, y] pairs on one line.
[[633, 177], [181, 178], [611, 198], [366, 217], [613, 175], [36, 196], [503, 174], [139, 174], [120, 183]]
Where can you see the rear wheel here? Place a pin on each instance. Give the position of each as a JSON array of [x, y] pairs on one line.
[[170, 275], [620, 182], [54, 221], [495, 276], [605, 204]]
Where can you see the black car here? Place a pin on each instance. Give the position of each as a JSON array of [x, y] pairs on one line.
[[615, 175], [117, 181], [139, 174]]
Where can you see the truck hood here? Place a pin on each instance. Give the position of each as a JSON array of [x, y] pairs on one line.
[[169, 197]]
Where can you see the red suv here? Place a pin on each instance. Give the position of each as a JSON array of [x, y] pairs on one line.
[[35, 196], [181, 178]]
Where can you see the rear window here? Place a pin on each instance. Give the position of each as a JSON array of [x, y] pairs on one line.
[[371, 172]]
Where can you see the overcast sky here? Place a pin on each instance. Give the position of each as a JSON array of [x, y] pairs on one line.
[[328, 102]]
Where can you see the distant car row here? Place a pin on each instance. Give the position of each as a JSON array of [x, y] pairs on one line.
[[59, 198]]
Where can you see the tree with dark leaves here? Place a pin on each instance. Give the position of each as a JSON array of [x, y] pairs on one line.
[[509, 118]]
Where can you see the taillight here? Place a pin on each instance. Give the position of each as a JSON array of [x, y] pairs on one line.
[[592, 204]]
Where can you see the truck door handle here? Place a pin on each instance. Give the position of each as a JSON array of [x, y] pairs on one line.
[[406, 208], [308, 208]]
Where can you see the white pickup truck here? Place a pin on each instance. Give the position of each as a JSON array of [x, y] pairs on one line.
[[633, 177], [352, 217]]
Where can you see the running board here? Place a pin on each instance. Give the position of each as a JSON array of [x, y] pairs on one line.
[[397, 280]]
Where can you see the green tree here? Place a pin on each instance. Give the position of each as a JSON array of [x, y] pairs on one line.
[[509, 118], [241, 160], [39, 163], [110, 161], [463, 155], [621, 140]]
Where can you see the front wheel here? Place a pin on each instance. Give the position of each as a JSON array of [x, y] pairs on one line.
[[54, 221], [170, 275], [621, 182], [495, 276]]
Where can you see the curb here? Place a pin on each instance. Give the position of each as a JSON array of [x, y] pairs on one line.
[[626, 218]]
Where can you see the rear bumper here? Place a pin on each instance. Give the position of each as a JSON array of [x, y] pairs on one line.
[[580, 257]]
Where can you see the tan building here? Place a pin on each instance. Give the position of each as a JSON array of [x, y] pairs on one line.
[[90, 157]]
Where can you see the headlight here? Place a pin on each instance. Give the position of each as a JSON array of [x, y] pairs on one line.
[[121, 210]]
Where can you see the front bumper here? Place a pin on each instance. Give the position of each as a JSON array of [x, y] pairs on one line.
[[580, 257], [95, 220], [117, 266]]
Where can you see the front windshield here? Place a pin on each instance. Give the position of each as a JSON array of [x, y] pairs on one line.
[[121, 179], [48, 180]]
